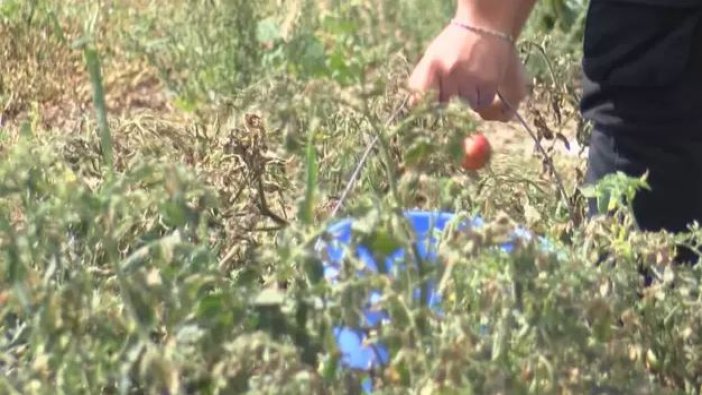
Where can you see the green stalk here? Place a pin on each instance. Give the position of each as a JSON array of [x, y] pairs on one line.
[[92, 61], [311, 180]]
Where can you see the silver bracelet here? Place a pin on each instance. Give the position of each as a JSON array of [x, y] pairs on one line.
[[500, 35]]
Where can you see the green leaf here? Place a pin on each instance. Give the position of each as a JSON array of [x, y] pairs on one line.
[[10, 9], [26, 130], [141, 307], [419, 151], [340, 70], [173, 214], [339, 26], [588, 191], [329, 368], [313, 56], [267, 31], [210, 306], [383, 242], [269, 297], [314, 268]]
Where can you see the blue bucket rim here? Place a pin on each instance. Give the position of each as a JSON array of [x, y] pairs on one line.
[[339, 224]]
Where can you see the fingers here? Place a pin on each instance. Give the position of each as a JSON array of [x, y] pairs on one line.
[[503, 111], [513, 90], [464, 66], [469, 94], [497, 111], [449, 89], [430, 77], [424, 79], [486, 95], [500, 110]]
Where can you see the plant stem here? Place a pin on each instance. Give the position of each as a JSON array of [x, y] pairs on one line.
[[548, 159], [364, 157], [92, 61]]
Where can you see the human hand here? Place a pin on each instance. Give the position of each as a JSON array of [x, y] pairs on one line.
[[465, 64], [472, 67], [513, 89]]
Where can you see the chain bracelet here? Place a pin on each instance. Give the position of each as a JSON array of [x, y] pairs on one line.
[[500, 35]]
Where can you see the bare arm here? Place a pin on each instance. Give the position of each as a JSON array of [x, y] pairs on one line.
[[524, 10]]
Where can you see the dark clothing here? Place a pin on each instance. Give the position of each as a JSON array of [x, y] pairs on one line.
[[643, 68], [675, 176], [642, 89]]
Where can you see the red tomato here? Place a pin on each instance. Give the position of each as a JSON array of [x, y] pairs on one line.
[[476, 151]]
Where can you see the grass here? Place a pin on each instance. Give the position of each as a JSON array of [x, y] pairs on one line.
[[168, 165]]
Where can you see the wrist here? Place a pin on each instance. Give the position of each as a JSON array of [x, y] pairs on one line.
[[496, 15], [506, 37]]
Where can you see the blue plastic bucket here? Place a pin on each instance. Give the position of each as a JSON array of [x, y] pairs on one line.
[[357, 353]]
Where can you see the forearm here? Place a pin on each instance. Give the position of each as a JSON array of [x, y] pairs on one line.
[[508, 16], [524, 9]]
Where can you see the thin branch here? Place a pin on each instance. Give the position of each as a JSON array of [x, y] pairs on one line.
[[547, 157], [364, 157], [263, 204]]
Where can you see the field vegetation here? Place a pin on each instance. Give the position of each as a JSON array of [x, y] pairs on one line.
[[168, 166]]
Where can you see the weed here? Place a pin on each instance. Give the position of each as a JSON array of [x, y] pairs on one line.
[[231, 129]]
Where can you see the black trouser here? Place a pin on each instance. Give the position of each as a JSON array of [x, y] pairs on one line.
[[675, 177], [643, 93]]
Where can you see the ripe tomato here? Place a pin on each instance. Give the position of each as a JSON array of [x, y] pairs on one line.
[[476, 151]]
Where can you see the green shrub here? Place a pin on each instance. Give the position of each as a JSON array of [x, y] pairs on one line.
[[189, 267]]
